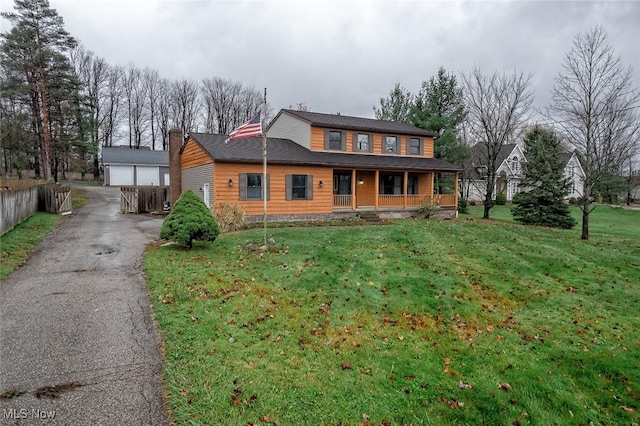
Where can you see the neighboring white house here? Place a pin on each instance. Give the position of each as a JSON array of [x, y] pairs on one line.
[[511, 160], [141, 167]]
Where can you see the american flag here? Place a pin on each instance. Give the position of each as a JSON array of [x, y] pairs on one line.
[[248, 129]]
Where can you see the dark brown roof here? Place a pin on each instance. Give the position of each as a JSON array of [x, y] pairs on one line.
[[335, 121], [285, 151]]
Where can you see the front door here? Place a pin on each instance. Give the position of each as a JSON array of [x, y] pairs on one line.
[[365, 189]]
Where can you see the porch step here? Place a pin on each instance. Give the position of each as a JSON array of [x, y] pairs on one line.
[[370, 217]]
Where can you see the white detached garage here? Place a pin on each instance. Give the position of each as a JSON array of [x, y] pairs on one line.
[[140, 167]]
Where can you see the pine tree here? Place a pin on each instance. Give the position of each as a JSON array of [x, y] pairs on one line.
[[32, 56], [440, 107], [543, 202], [189, 220]]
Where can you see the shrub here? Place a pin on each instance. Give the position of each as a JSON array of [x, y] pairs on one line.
[[428, 207], [462, 205], [189, 220], [229, 215], [501, 199]]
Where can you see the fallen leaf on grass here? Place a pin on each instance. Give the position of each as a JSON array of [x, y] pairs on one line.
[[628, 409], [346, 366], [463, 385], [504, 386]]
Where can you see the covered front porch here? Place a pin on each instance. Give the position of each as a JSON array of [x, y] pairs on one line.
[[392, 190]]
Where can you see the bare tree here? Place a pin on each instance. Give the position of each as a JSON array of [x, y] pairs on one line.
[[185, 104], [113, 104], [594, 105], [137, 104], [93, 73], [162, 112], [221, 98], [498, 105], [249, 102], [152, 84]]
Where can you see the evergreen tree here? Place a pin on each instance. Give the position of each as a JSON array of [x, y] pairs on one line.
[[543, 202], [396, 106], [440, 107], [33, 58], [189, 220]]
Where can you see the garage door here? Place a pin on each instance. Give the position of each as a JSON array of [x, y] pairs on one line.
[[147, 176], [121, 175]]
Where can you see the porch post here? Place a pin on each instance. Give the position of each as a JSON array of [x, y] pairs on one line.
[[353, 189], [406, 186], [377, 186], [455, 200]]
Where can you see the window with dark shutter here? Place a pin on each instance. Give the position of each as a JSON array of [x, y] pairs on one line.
[[251, 186], [299, 187]]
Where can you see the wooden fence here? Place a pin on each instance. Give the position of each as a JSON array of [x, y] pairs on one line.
[[143, 199], [55, 198], [16, 205], [7, 183]]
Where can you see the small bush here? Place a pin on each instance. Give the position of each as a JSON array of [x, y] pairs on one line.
[[428, 207], [189, 220], [501, 199], [229, 215], [462, 205]]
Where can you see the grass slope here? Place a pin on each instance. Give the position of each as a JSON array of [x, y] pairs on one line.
[[416, 322]]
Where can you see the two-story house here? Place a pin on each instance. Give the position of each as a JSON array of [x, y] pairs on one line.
[[319, 166], [509, 173]]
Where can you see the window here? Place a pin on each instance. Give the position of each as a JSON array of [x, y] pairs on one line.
[[391, 145], [251, 186], [334, 139], [515, 165], [362, 142], [390, 184], [414, 146], [299, 187], [412, 185], [342, 184], [254, 187]]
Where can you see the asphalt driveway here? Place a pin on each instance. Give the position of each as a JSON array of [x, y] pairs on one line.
[[78, 345]]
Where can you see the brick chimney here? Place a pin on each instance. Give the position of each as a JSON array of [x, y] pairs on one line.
[[175, 169]]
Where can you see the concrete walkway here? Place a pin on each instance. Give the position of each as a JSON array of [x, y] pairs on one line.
[[78, 345]]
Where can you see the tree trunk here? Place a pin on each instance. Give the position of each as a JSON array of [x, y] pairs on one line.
[[585, 221]]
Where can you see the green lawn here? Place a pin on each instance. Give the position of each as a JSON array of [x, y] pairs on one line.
[[415, 322], [17, 244]]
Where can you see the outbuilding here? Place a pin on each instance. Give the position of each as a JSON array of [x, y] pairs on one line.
[[140, 167]]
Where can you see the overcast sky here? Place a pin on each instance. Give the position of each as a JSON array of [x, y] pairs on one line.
[[344, 56]]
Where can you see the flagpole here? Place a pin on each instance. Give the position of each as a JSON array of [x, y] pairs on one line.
[[264, 165]]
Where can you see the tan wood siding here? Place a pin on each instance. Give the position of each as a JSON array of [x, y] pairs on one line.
[[322, 201], [193, 156], [317, 142]]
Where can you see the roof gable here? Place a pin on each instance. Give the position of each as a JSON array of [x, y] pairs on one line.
[[345, 122]]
